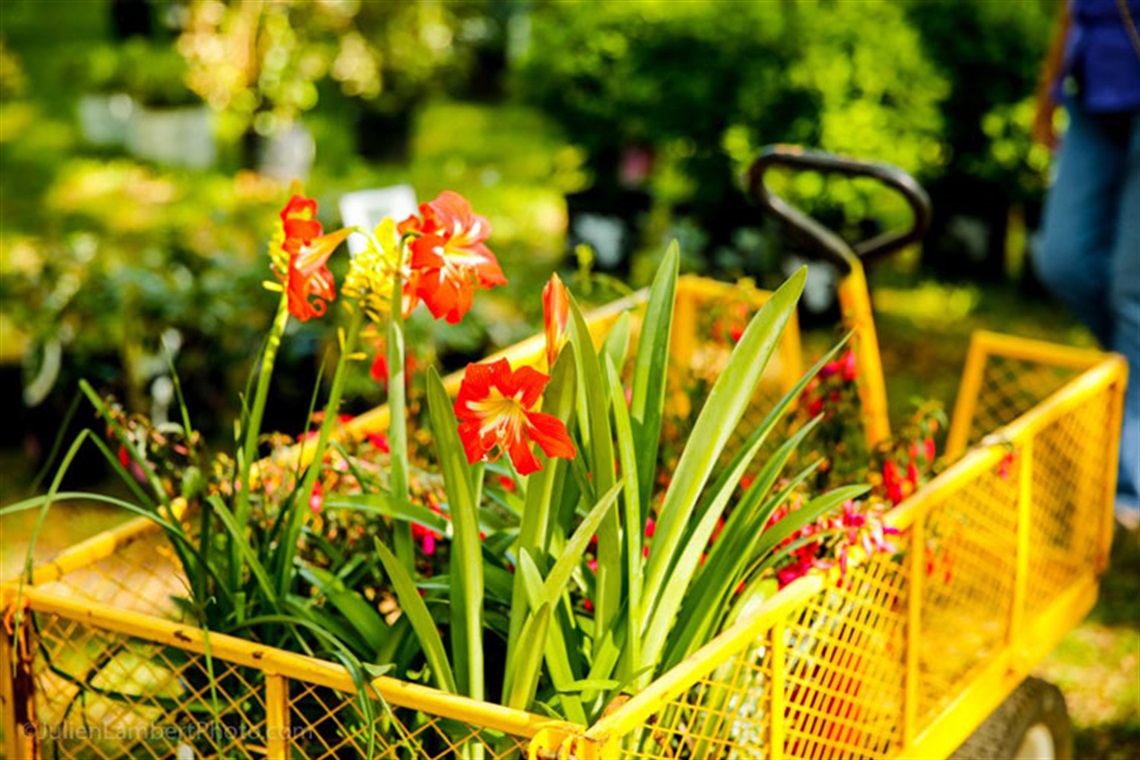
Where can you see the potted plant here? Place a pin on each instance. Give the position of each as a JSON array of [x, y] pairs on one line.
[[171, 125], [105, 109]]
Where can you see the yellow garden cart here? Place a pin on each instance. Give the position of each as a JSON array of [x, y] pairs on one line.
[[998, 557]]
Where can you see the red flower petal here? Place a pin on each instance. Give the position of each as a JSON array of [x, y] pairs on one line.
[[522, 457], [472, 441], [527, 380], [550, 434]]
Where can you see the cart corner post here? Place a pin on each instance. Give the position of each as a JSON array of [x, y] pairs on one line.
[[276, 715], [855, 303], [17, 685]]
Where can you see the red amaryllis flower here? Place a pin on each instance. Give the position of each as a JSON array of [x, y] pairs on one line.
[[298, 221], [449, 261], [307, 279], [494, 410], [555, 313]]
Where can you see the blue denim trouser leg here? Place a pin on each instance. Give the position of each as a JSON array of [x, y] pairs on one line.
[[1090, 251], [1124, 300]]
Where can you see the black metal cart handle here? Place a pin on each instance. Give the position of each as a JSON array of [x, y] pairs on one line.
[[830, 245]]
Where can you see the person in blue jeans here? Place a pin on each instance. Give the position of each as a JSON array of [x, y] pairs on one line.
[[1089, 252]]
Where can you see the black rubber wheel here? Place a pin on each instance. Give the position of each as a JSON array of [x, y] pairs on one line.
[[1031, 724]]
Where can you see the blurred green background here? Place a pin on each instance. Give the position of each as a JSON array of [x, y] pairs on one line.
[[145, 148]]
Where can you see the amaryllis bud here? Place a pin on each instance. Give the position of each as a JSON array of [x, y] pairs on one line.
[[556, 315]]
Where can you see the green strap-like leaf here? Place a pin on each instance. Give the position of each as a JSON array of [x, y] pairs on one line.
[[571, 556], [466, 554], [416, 611], [808, 513], [647, 400], [714, 427], [555, 648], [634, 510], [528, 664], [237, 539], [383, 504], [362, 616], [598, 440], [616, 345], [725, 565]]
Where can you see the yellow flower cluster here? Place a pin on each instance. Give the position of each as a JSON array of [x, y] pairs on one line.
[[372, 273], [278, 258]]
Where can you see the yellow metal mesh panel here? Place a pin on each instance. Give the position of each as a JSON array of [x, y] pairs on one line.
[[727, 713], [1069, 492], [1010, 387], [970, 561], [326, 723], [104, 695], [141, 576], [844, 682]]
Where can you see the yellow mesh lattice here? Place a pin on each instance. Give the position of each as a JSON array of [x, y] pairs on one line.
[[104, 695], [1011, 387], [726, 713], [141, 576], [1068, 486], [326, 723], [970, 557], [843, 687]]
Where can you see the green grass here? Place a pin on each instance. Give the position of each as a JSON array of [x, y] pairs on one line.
[[1097, 665]]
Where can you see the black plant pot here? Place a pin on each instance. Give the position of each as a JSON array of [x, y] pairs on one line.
[[610, 221], [384, 137]]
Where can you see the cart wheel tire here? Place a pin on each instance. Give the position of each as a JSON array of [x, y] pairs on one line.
[[1031, 724]]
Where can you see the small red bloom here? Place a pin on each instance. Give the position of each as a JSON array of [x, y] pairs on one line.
[[379, 369], [556, 314], [379, 441], [299, 224], [307, 280], [449, 260], [494, 410], [1006, 464], [849, 370]]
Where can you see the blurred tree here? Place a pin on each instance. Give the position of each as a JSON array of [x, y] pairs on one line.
[[990, 53], [261, 63], [414, 50], [698, 87]]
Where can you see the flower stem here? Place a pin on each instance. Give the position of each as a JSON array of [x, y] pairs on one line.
[[398, 428], [252, 431], [252, 428], [300, 502]]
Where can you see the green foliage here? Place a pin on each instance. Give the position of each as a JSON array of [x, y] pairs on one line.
[[705, 88], [127, 256], [388, 55], [990, 54]]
